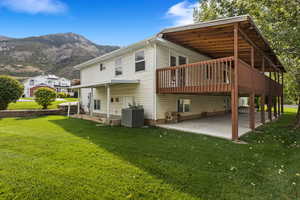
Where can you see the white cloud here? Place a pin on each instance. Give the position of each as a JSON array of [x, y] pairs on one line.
[[182, 13], [35, 6]]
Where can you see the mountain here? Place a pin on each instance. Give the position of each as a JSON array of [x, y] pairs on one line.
[[54, 53]]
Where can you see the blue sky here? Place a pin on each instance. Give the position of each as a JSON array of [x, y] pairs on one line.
[[113, 22]]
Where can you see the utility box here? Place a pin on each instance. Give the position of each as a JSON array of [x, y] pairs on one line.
[[132, 117]]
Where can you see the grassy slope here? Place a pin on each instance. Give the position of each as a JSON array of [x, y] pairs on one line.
[[58, 158], [34, 105]]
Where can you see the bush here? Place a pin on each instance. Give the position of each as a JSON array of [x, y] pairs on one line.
[[63, 95], [44, 97], [10, 91]]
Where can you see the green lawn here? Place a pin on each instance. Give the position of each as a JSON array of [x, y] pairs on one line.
[[33, 105], [58, 158]]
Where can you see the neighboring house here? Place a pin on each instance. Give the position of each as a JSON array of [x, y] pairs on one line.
[[196, 70], [58, 84]]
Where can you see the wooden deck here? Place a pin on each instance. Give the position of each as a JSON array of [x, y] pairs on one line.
[[215, 76]]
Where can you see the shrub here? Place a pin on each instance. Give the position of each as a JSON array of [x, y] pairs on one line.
[[10, 91], [44, 97], [63, 95]]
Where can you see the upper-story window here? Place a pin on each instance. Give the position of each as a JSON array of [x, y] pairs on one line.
[[140, 61], [182, 60], [102, 67], [118, 67], [31, 82]]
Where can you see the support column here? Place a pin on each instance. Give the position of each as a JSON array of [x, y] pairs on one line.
[[282, 101], [78, 99], [108, 104], [252, 96], [270, 107], [252, 111], [262, 109], [92, 102], [234, 87], [279, 106], [275, 106]]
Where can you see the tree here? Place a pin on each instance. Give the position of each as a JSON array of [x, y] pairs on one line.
[[10, 91], [44, 97], [279, 22]]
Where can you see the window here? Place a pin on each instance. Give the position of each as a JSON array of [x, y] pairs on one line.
[[97, 104], [139, 61], [118, 67], [182, 60], [102, 67], [31, 82], [173, 61], [184, 105]]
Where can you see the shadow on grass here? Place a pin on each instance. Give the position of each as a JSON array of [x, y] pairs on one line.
[[202, 166]]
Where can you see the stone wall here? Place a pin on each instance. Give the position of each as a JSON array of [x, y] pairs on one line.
[[30, 113]]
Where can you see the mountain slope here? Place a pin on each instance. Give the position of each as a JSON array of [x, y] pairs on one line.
[[55, 53]]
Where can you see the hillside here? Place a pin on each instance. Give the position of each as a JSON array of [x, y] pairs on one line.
[[55, 53]]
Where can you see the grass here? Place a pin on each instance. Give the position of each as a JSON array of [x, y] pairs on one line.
[[59, 158], [28, 105]]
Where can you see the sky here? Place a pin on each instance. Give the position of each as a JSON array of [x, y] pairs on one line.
[[109, 22]]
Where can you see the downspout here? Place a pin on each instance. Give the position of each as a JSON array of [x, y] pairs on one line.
[[154, 72]]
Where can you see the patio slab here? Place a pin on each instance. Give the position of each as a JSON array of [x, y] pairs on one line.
[[218, 126]]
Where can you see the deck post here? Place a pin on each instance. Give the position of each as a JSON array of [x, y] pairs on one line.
[[252, 111], [108, 103], [275, 106], [252, 97], [270, 107], [234, 87], [262, 109], [263, 97], [282, 107]]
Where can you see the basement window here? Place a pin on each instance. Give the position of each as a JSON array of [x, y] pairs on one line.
[[184, 105]]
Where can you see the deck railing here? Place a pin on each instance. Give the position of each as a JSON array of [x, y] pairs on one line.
[[251, 79], [201, 77]]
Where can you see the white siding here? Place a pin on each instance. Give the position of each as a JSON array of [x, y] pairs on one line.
[[143, 92]]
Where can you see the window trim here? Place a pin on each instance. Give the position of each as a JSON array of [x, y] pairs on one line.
[[135, 62]]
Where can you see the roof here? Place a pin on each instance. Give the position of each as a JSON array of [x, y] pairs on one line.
[[104, 83], [212, 38], [215, 39]]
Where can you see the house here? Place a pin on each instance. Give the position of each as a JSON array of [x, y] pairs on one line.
[[59, 84], [196, 71]]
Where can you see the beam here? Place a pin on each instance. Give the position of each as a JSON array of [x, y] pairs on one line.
[[234, 87], [244, 35]]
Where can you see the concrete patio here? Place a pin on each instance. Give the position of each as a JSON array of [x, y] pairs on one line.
[[218, 126]]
